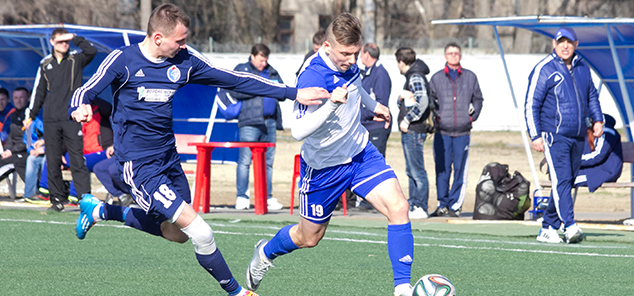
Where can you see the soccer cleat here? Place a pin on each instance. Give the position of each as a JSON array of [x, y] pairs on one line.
[[418, 213], [403, 290], [125, 200], [258, 266], [549, 235], [245, 292], [273, 204], [242, 203], [85, 221], [573, 234]]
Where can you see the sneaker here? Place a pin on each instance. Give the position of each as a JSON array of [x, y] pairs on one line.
[[628, 222], [242, 203], [244, 292], [573, 234], [403, 290], [258, 266], [418, 213], [273, 204], [38, 200], [125, 200], [109, 199], [549, 235], [85, 221], [439, 212], [455, 214], [57, 207]]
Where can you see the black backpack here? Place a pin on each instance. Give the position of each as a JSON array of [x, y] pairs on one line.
[[500, 196], [431, 116]]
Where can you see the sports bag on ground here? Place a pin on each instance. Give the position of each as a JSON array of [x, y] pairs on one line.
[[500, 196]]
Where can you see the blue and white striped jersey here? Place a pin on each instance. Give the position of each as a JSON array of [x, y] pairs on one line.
[[143, 88]]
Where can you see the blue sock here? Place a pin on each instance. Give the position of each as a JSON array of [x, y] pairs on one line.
[[112, 212], [138, 219], [400, 247], [215, 264], [280, 244]]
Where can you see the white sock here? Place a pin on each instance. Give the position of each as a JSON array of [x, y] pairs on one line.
[[95, 212]]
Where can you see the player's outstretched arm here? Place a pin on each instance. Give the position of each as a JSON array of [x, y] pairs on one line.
[[83, 113], [311, 95], [308, 123]]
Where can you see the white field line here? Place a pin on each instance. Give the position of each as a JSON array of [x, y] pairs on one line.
[[364, 240]]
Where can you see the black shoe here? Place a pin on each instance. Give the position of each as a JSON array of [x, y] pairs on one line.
[[440, 212], [57, 207], [454, 213]]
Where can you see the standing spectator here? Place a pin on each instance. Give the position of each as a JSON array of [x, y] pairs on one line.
[[318, 41], [14, 154], [258, 121], [60, 75], [376, 82], [414, 109], [562, 107], [456, 92], [5, 112]]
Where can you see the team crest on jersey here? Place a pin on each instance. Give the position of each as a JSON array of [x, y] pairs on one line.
[[173, 73]]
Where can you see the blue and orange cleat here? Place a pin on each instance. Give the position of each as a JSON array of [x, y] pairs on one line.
[[85, 221]]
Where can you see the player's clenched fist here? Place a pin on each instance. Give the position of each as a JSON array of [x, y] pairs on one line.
[[83, 113], [339, 95]]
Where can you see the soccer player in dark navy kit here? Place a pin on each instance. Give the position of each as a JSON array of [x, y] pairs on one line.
[[144, 78], [562, 107], [336, 155]]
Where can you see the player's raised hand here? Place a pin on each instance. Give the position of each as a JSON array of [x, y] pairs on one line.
[[382, 113], [83, 113], [311, 95], [339, 95]]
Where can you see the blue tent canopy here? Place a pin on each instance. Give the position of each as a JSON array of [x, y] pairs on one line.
[[607, 45], [22, 48]]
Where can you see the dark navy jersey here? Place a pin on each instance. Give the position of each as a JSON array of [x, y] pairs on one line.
[[143, 89]]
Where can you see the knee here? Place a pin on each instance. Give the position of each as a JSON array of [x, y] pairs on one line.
[[201, 236]]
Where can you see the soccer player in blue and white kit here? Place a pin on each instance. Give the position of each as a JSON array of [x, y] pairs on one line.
[[336, 155], [144, 78]]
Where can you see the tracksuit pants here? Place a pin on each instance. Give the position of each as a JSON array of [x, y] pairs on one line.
[[451, 152], [563, 155]]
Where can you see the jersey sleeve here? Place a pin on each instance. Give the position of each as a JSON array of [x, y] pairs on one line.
[[112, 67], [309, 118], [535, 96], [203, 72]]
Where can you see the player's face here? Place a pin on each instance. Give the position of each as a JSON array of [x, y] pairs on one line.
[[343, 56], [565, 47], [259, 61], [60, 46], [453, 55], [20, 99], [171, 44]]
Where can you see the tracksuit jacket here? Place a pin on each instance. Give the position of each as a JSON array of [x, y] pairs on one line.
[[559, 100], [453, 99]]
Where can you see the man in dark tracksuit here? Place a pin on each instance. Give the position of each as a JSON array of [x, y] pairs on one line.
[[258, 121], [457, 94], [59, 76], [561, 106]]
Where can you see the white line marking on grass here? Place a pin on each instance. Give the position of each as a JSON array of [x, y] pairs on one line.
[[366, 241]]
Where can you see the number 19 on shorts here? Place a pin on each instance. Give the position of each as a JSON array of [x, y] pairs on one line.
[[318, 210]]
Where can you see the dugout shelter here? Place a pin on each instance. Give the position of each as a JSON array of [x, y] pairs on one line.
[[22, 47], [606, 44]]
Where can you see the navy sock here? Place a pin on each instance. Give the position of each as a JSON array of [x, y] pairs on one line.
[[400, 247], [138, 219], [215, 264], [280, 244], [113, 212]]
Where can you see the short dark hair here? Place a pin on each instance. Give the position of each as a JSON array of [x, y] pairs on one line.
[[4, 91], [58, 31], [319, 37], [165, 18], [405, 55], [261, 49], [372, 49], [22, 88], [453, 44], [345, 30]]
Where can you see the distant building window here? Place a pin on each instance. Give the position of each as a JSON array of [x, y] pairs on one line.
[[286, 30]]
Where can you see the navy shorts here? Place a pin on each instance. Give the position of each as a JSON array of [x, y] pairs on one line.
[[159, 185], [320, 190]]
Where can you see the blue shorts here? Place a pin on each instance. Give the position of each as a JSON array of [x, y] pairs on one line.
[[158, 185], [320, 190]]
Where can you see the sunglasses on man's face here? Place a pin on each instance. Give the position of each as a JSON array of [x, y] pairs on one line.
[[64, 41]]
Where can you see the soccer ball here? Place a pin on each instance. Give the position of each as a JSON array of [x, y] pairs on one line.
[[434, 285]]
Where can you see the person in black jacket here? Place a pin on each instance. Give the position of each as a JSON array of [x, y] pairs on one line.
[[258, 121], [60, 75], [15, 154]]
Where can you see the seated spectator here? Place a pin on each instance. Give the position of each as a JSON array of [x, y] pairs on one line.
[[13, 157], [605, 163], [108, 173], [34, 140], [6, 109]]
